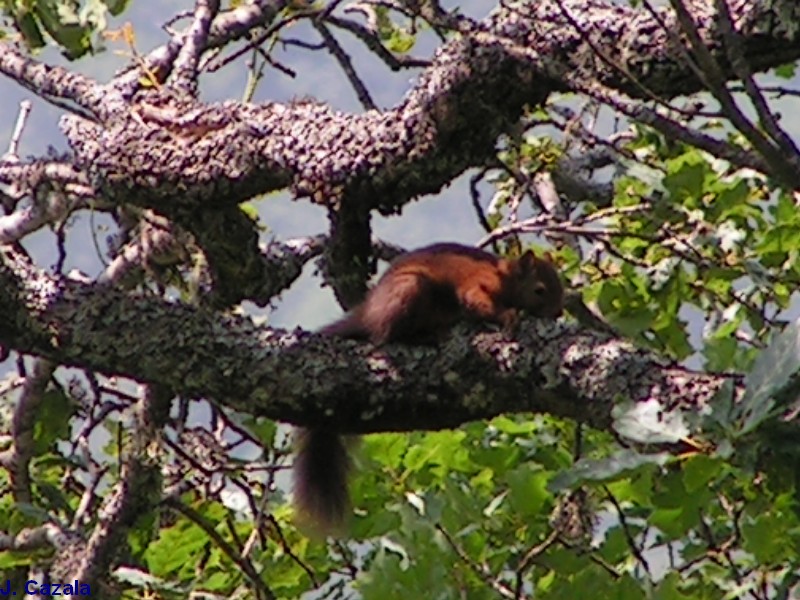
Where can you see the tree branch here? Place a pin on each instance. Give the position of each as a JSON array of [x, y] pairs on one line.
[[223, 154], [48, 81], [17, 459], [185, 72], [319, 381], [227, 26], [137, 492]]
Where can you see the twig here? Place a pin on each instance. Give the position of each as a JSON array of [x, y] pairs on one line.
[[291, 553], [614, 65], [229, 25], [627, 532], [371, 41], [476, 199], [482, 571], [255, 43], [13, 146], [528, 559], [17, 459], [66, 190], [263, 591], [347, 65], [671, 129], [741, 67], [785, 169]]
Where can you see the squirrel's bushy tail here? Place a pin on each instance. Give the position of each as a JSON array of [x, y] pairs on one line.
[[321, 468]]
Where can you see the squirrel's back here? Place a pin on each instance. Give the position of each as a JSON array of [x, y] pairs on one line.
[[426, 291]]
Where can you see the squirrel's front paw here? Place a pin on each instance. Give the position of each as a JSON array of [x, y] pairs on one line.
[[509, 320]]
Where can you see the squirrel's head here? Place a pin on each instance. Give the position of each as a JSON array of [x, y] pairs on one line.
[[537, 287]]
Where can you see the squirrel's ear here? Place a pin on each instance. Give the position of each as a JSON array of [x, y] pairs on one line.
[[547, 256], [527, 260]]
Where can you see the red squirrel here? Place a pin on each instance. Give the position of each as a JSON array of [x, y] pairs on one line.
[[421, 295]]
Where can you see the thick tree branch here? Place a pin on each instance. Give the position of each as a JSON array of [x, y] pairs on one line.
[[475, 89], [310, 380]]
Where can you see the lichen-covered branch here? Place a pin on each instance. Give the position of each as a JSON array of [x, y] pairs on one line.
[[474, 90], [186, 68], [310, 380], [48, 81], [17, 458]]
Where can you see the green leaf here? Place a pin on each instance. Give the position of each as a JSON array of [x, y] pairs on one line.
[[36, 514], [605, 469], [29, 28], [439, 451], [686, 178], [638, 171], [649, 422], [116, 7], [250, 210], [396, 38], [145, 581], [511, 426], [699, 470], [786, 71], [60, 20], [528, 489], [176, 549], [669, 588], [400, 41], [773, 370], [53, 420], [671, 521], [55, 496], [765, 536], [387, 449], [11, 559], [615, 546], [263, 429], [636, 488], [217, 582]]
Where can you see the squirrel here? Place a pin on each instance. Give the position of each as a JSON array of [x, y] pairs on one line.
[[420, 296]]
